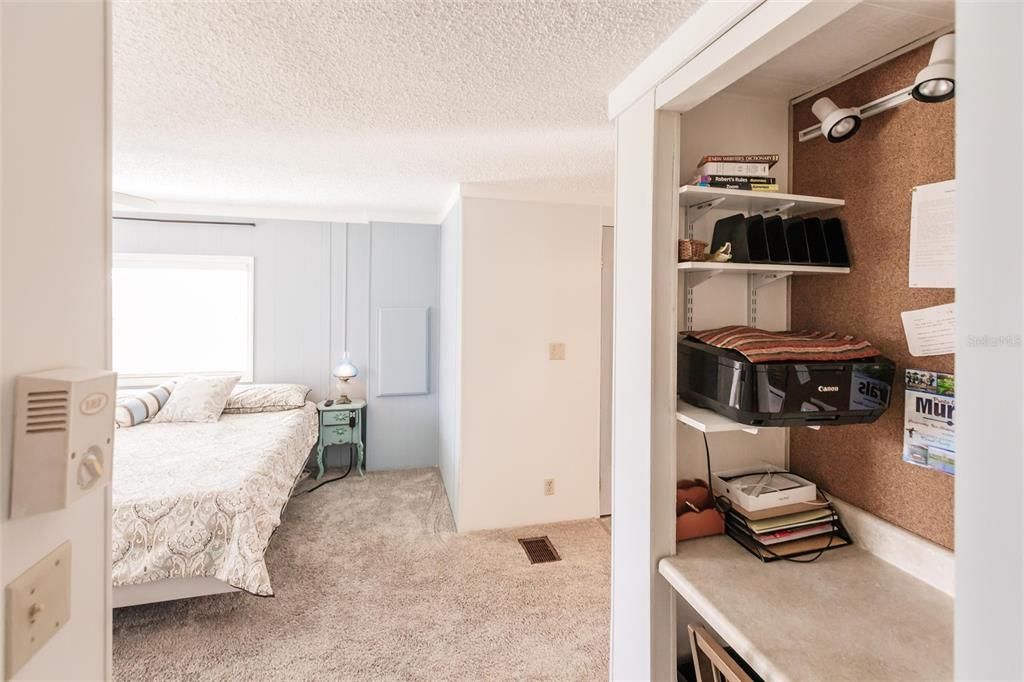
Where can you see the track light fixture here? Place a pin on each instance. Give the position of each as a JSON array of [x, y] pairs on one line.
[[937, 81], [837, 124], [934, 83]]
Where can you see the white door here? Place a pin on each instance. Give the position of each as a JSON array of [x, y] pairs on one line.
[[54, 284], [607, 308]]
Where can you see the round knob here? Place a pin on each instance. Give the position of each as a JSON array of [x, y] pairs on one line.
[[90, 469]]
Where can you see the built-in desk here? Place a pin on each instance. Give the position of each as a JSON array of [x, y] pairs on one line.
[[847, 616]]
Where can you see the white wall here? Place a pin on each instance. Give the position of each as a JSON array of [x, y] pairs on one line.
[[531, 275], [733, 124], [736, 124], [450, 357], [55, 293], [989, 625], [317, 289]]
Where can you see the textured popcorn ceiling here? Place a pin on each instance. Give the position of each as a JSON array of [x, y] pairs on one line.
[[374, 106]]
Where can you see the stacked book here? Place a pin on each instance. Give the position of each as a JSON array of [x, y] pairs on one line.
[[794, 530], [745, 171]]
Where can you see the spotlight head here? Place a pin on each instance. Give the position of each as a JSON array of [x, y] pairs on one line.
[[937, 81], [837, 124]]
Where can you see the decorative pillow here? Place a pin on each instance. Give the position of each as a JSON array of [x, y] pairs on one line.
[[266, 398], [197, 399], [135, 409]]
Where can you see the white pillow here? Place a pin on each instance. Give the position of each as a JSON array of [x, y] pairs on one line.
[[250, 398], [196, 399]]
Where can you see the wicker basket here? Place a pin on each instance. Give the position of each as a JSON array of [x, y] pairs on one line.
[[691, 249]]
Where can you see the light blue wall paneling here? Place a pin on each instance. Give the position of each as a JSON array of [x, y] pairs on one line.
[[317, 289], [291, 268], [404, 272]]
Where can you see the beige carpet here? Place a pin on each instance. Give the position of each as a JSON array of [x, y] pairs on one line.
[[372, 583]]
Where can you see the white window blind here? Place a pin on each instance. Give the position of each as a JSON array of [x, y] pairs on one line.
[[175, 315]]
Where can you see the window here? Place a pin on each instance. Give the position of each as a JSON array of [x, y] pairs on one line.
[[175, 315]]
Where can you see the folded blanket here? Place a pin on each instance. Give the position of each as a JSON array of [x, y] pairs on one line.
[[758, 345]]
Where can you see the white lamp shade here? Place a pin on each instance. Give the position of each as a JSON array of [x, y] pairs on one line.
[[346, 370], [937, 81], [836, 124]]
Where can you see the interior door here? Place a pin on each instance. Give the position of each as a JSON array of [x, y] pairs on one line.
[[55, 289]]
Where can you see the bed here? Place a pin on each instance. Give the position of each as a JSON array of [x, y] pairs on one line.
[[195, 505]]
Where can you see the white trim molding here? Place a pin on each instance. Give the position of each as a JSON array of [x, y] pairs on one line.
[[706, 26]]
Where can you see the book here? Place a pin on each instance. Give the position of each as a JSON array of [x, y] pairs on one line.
[[793, 533], [733, 168], [755, 187], [791, 520], [791, 548], [735, 178], [770, 159]]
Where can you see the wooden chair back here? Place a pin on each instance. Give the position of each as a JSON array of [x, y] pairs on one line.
[[710, 659]]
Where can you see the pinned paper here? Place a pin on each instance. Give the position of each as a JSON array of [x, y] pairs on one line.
[[930, 331], [932, 219]]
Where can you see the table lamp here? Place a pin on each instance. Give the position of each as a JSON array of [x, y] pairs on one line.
[[345, 371]]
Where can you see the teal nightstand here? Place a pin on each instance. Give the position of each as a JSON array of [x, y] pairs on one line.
[[341, 424]]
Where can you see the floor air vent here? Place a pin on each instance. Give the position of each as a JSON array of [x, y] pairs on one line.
[[539, 550]]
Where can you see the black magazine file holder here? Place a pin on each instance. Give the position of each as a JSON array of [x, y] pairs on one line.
[[835, 242], [775, 234], [796, 240], [731, 229], [757, 243], [816, 249]]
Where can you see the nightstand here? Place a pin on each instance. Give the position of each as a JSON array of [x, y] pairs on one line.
[[341, 424]]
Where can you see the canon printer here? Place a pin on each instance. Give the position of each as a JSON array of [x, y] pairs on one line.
[[799, 393]]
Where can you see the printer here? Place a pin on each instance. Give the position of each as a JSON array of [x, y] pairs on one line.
[[783, 393]]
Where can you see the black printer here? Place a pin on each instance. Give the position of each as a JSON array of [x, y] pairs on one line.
[[783, 393]]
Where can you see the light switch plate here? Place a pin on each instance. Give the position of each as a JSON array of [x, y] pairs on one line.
[[38, 605], [556, 351]]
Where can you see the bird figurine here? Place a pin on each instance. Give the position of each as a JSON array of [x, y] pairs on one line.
[[723, 255]]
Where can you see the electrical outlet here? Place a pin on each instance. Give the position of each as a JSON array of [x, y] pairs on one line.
[[549, 486], [556, 351]]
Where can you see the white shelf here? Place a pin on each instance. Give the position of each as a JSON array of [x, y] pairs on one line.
[[712, 422], [765, 273], [747, 268], [833, 619], [749, 202], [708, 421]]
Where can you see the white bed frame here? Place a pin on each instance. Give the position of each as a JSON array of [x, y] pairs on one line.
[[166, 590], [179, 588]]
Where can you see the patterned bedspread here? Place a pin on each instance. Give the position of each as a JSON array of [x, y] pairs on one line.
[[203, 499]]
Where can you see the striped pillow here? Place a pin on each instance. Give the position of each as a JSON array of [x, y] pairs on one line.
[[141, 407]]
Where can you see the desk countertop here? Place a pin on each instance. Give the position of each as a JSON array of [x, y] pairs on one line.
[[847, 616]]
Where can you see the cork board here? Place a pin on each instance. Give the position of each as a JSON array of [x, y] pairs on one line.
[[874, 172]]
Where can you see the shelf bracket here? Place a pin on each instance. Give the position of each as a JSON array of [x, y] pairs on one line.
[[698, 211], [760, 279], [777, 210], [695, 279]]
